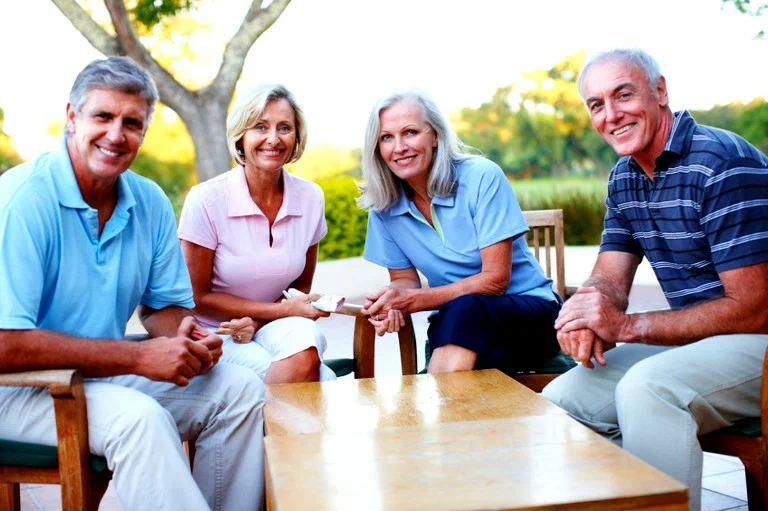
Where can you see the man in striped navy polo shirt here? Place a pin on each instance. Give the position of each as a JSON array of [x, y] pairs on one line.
[[694, 201]]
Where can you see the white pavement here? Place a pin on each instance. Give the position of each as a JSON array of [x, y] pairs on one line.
[[354, 277]]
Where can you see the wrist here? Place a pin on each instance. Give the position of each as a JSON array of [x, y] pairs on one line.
[[633, 329]]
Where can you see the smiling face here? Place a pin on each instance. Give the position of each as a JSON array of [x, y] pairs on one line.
[[627, 113], [269, 144], [105, 135], [406, 141]]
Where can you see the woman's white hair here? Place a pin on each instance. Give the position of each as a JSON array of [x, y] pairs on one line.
[[380, 188], [247, 112]]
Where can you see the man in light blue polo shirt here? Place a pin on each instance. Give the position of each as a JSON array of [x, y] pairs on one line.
[[83, 242]]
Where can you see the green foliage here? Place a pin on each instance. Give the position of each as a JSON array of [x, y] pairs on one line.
[[756, 8], [8, 155], [752, 124], [582, 202], [347, 224], [174, 177], [150, 12]]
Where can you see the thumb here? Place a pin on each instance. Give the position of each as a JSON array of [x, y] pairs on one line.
[[186, 327]]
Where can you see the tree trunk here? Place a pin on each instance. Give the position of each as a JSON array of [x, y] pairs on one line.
[[207, 127]]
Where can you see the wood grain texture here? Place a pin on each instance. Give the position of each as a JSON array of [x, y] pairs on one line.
[[417, 400], [525, 463]]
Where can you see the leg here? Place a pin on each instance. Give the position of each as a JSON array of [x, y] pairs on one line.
[[666, 401], [589, 394], [223, 410], [296, 346], [303, 366], [450, 357], [132, 431]]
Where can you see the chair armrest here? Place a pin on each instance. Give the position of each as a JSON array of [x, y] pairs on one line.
[[764, 398], [58, 381]]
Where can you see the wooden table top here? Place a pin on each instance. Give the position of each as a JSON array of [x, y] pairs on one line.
[[460, 441], [396, 401]]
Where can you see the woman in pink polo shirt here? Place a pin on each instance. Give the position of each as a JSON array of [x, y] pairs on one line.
[[253, 232]]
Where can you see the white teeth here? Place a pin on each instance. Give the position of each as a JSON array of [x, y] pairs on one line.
[[622, 130], [108, 152], [407, 159]]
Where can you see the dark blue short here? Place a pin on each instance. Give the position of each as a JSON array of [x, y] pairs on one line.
[[507, 332]]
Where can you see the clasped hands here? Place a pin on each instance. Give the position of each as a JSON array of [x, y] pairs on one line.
[[589, 324], [385, 309]]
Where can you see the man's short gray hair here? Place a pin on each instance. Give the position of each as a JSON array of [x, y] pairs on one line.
[[633, 56], [114, 73]]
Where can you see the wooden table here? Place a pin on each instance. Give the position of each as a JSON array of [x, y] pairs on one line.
[[469, 440]]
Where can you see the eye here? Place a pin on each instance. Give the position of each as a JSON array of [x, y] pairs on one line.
[[386, 137], [259, 127], [625, 95], [595, 107], [411, 132], [285, 129]]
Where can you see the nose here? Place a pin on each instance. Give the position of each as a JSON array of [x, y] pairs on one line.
[[272, 137], [611, 112], [115, 133], [400, 145]]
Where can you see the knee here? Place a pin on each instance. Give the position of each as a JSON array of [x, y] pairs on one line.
[[143, 423], [643, 386], [466, 305], [304, 366]]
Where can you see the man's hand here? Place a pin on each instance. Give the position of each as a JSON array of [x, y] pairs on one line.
[[582, 345], [590, 309], [386, 299]]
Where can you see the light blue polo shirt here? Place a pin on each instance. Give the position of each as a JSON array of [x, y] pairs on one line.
[[483, 211], [56, 273]]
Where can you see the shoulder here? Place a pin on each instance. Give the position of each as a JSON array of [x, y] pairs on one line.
[[475, 170], [714, 147], [304, 188], [27, 188], [210, 192]]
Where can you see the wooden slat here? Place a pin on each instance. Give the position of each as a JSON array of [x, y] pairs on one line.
[[364, 347], [58, 381], [547, 219]]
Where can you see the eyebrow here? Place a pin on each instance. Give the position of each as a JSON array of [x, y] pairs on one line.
[[614, 91]]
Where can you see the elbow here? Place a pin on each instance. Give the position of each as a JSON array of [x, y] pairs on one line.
[[498, 285]]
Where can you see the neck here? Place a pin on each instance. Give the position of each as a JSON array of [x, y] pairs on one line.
[[100, 194], [264, 186], [418, 186], [647, 158]]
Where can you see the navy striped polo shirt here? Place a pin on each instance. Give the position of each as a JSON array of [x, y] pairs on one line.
[[705, 212]]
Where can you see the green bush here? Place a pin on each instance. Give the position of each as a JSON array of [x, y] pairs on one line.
[[582, 214], [346, 223]]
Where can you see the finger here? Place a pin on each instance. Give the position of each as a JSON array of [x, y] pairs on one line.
[[585, 350], [598, 351], [564, 342], [180, 381], [186, 326], [576, 324]]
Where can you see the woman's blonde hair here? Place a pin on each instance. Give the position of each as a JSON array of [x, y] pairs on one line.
[[247, 112], [380, 188]]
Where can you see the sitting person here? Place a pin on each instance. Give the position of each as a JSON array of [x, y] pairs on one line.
[[83, 241], [453, 217], [692, 200], [253, 232]]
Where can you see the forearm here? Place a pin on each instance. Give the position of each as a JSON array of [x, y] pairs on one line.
[[483, 283], [27, 350], [718, 316], [223, 307], [617, 296], [162, 322]]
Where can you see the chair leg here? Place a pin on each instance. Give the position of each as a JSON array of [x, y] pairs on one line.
[[757, 485], [10, 496], [364, 346]]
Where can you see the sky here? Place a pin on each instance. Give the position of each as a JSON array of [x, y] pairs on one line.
[[339, 56]]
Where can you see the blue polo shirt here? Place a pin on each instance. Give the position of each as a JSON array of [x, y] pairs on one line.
[[704, 212], [483, 211], [57, 273]]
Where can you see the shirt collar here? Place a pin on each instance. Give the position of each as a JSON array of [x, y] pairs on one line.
[[68, 191], [240, 203], [402, 206], [681, 134]]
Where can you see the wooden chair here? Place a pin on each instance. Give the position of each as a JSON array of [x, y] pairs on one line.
[[82, 476], [746, 439], [546, 235]]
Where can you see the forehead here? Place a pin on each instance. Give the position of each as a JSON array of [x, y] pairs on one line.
[[604, 77], [279, 107], [116, 101], [401, 112]]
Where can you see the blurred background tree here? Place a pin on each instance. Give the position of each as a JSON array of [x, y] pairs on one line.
[[143, 28], [8, 155]]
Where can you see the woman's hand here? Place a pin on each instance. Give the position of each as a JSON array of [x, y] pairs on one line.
[[387, 322], [301, 306], [241, 330], [388, 298]]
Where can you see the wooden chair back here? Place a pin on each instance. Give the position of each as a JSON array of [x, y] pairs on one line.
[[546, 234]]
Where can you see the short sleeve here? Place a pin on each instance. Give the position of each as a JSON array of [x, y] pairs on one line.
[[321, 228], [22, 264], [381, 248], [497, 214], [169, 283], [733, 207], [616, 234], [195, 224]]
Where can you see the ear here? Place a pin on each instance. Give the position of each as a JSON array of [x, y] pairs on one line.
[[434, 141], [71, 114], [661, 92]]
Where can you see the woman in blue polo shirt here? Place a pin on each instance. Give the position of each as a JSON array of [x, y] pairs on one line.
[[454, 218]]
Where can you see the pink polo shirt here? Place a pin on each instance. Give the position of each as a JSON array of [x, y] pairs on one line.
[[220, 215]]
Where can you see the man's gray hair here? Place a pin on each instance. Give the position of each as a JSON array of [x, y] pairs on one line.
[[114, 73], [380, 189], [633, 56]]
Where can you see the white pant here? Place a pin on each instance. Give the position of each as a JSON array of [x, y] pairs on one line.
[[278, 340], [138, 425], [656, 400]]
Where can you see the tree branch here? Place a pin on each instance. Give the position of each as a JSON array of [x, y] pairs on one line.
[[255, 23], [82, 21], [172, 93]]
